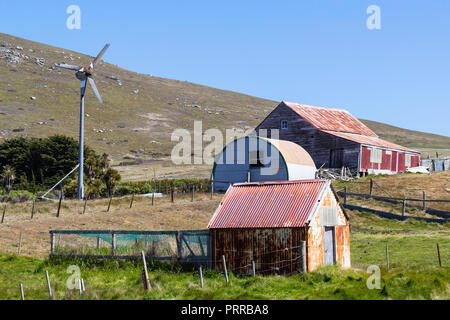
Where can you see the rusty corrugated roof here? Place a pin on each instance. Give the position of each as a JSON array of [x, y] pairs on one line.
[[330, 119], [283, 204], [372, 141]]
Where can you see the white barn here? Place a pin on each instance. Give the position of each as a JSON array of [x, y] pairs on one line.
[[258, 159]]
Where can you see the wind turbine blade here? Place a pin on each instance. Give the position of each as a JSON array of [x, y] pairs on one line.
[[83, 87], [100, 55], [94, 88], [67, 66]]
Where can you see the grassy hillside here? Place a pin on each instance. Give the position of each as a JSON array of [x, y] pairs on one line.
[[140, 111]]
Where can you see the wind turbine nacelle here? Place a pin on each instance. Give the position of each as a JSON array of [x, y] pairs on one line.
[[80, 75]]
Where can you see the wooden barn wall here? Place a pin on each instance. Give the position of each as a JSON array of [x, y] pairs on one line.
[[317, 143], [267, 247]]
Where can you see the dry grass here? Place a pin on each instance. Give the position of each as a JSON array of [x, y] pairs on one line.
[[436, 186], [181, 215]]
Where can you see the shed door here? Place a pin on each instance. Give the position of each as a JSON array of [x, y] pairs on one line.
[[336, 158], [329, 243]]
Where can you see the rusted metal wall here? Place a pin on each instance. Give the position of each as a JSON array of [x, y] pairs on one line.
[[343, 246], [273, 250]]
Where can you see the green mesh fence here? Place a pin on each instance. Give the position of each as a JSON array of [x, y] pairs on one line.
[[192, 246]]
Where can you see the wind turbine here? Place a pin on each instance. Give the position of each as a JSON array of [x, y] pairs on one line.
[[84, 74]]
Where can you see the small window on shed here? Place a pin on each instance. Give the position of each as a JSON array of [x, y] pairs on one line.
[[256, 159], [284, 125]]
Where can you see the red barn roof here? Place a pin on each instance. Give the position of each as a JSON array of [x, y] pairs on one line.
[[283, 204], [330, 119]]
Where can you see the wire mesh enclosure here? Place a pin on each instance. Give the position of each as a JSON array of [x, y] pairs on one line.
[[189, 246]]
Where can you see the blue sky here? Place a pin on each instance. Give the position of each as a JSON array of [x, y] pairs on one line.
[[313, 52]]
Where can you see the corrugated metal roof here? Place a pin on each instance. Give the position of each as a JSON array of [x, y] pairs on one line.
[[330, 119], [372, 141], [283, 204]]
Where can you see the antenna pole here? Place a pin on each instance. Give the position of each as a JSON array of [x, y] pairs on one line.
[[81, 152]]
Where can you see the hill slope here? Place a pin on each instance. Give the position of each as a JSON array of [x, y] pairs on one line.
[[140, 111]]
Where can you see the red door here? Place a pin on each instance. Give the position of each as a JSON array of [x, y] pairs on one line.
[[394, 161]]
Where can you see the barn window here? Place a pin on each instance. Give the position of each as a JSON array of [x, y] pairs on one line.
[[328, 216], [284, 125], [376, 155], [256, 159], [408, 160]]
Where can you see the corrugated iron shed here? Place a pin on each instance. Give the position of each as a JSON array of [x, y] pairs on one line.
[[331, 119], [285, 204]]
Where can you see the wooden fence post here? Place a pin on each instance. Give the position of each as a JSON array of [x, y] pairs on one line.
[[84, 207], [171, 194], [49, 288], [387, 255], [424, 206], [303, 256], [3, 214], [21, 292], [403, 208], [99, 242], [146, 280], [439, 254], [201, 277], [225, 268], [253, 269], [193, 191], [109, 204], [20, 243], [113, 244], [59, 205], [52, 243], [132, 200], [32, 209], [371, 187], [345, 196]]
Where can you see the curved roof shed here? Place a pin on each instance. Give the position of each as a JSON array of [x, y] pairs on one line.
[[258, 159]]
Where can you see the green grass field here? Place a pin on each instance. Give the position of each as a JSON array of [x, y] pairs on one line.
[[114, 280], [414, 272]]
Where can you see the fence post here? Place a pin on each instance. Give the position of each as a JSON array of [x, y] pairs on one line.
[[403, 208], [439, 254], [424, 207], [113, 244], [49, 288], [225, 268], [179, 246], [52, 243], [4, 212], [132, 200], [345, 196], [387, 255], [193, 191], [21, 292], [201, 277], [109, 204], [253, 269], [371, 187], [303, 256], [84, 207], [32, 209], [20, 243], [153, 194], [171, 194], [146, 280], [59, 205], [99, 242]]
